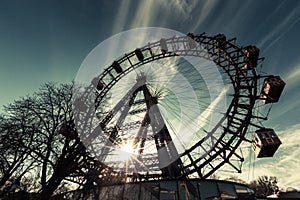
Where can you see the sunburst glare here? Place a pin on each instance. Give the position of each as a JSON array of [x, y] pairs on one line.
[[125, 151]]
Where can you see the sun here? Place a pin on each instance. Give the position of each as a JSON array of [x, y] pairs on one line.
[[125, 151]]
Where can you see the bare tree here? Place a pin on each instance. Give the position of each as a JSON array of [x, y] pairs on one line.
[[39, 135], [39, 138], [13, 154], [264, 186]]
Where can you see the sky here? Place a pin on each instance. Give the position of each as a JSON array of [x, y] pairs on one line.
[[42, 41]]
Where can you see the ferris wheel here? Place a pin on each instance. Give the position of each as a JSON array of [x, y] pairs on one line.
[[178, 107]]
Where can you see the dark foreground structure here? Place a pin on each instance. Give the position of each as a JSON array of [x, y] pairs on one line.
[[165, 189], [193, 189]]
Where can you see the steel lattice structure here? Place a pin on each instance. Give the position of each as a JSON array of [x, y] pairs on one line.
[[233, 60]]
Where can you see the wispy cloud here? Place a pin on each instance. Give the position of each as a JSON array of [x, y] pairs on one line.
[[234, 11], [289, 103], [284, 164], [121, 16], [184, 8], [143, 14], [281, 29], [147, 12], [212, 107], [293, 75], [271, 15], [205, 10]]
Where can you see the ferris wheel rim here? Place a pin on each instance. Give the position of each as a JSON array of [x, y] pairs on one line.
[[233, 69]]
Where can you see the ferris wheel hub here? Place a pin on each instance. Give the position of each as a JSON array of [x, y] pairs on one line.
[[141, 78], [118, 105]]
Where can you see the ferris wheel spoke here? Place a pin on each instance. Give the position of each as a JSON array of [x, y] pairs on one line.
[[166, 100]]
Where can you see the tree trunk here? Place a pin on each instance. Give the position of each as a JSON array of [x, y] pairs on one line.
[[45, 163], [49, 189], [64, 168]]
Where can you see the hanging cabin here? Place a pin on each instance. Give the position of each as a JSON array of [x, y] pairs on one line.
[[97, 84], [265, 143], [139, 54], [272, 89], [163, 45], [221, 41], [117, 67], [251, 57], [191, 43]]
